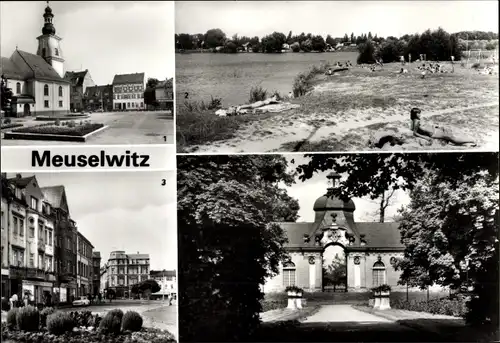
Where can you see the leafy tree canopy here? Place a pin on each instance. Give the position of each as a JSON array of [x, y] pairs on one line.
[[226, 207]]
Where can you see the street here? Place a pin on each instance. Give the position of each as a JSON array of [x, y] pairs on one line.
[[124, 128]]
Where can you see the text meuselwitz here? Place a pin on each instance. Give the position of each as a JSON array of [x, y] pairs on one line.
[[129, 159]]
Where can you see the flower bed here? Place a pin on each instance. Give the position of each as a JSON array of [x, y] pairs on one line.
[[31, 326], [10, 126], [77, 130], [68, 116]]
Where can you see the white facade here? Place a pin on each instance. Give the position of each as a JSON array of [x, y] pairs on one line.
[[49, 48]]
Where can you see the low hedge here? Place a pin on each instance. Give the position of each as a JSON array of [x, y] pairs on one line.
[[451, 307], [79, 130]]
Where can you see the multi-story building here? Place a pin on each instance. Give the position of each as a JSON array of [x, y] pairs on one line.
[[164, 94], [65, 244], [167, 280], [27, 239], [104, 283], [128, 92], [80, 81], [96, 272], [84, 266], [37, 81], [99, 98], [124, 270]]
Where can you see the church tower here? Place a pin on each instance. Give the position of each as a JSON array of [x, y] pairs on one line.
[[49, 43]]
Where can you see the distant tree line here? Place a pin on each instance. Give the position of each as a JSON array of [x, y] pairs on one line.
[[435, 44]]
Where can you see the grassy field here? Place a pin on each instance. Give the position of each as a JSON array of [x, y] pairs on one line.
[[343, 111]]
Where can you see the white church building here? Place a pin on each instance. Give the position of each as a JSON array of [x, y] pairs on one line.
[[37, 81]]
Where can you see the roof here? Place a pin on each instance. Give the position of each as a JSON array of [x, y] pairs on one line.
[[377, 235], [96, 254], [36, 67], [21, 182], [325, 203], [11, 71], [381, 235], [165, 84], [128, 78], [53, 195], [160, 273], [92, 90], [137, 256], [84, 238], [76, 77]]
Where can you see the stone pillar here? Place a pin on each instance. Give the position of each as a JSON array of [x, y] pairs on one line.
[[357, 272], [312, 273]]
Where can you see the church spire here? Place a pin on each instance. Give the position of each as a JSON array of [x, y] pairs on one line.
[[48, 27]]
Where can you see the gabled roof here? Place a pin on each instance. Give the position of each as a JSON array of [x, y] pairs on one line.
[[37, 67], [11, 71], [76, 77], [128, 78], [56, 197], [21, 182]]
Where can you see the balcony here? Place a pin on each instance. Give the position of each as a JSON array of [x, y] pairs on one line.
[[41, 245]]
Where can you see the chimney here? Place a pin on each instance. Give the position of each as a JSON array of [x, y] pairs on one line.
[[19, 176]]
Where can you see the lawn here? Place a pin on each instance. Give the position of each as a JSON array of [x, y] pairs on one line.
[[343, 111]]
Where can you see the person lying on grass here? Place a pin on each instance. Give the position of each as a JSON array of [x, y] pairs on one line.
[[430, 132], [270, 101]]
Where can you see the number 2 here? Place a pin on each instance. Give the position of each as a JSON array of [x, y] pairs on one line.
[[186, 95]]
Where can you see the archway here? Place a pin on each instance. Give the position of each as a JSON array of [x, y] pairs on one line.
[[334, 268]]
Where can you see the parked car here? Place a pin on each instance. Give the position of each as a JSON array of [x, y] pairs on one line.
[[81, 301]]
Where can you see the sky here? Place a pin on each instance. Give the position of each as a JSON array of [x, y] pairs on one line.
[[127, 211], [107, 38], [385, 18]]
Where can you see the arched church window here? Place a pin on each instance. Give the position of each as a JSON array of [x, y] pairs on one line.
[[46, 90], [60, 91], [288, 274], [57, 52], [379, 273], [18, 88]]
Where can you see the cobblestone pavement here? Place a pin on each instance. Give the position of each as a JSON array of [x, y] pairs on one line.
[[123, 128]]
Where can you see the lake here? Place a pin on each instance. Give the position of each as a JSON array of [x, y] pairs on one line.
[[231, 76]]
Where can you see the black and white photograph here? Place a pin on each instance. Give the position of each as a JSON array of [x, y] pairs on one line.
[[338, 248], [336, 76], [87, 72], [89, 257]]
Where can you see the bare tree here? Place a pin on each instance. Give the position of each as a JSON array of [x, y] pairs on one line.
[[386, 200]]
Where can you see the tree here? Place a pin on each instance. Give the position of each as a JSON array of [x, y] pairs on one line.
[[370, 35], [185, 41], [353, 38], [335, 273], [6, 95], [214, 38], [331, 41], [306, 45], [149, 92], [226, 209], [289, 38], [231, 47], [318, 43], [273, 42], [346, 38], [295, 47], [451, 237], [453, 215], [366, 53]]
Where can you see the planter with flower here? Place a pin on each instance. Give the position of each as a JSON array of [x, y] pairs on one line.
[[294, 297], [381, 294]]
